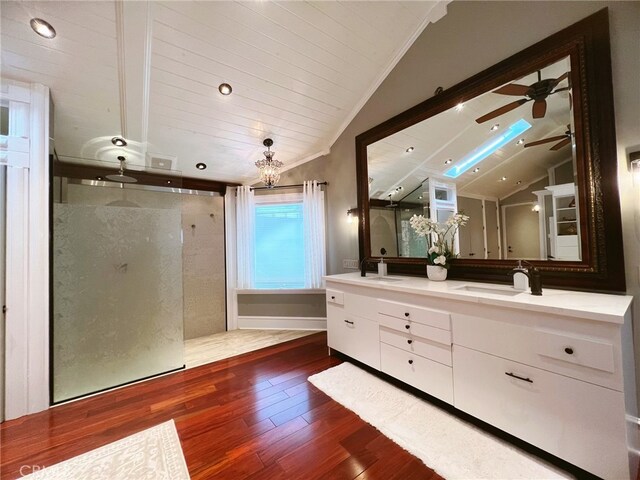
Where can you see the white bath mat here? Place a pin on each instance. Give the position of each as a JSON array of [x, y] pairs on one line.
[[453, 448], [153, 454]]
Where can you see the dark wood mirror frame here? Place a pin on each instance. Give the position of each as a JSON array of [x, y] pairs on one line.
[[602, 264]]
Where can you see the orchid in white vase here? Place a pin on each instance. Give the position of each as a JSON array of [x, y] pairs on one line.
[[439, 237]]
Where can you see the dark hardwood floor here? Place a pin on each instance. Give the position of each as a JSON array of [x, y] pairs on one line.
[[252, 416]]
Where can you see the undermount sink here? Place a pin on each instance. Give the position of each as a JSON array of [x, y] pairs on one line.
[[509, 292], [384, 279]]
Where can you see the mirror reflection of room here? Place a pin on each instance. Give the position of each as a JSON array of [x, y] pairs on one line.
[[505, 158]]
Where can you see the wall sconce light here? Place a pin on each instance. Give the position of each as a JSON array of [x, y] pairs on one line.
[[536, 208], [352, 215], [634, 166]]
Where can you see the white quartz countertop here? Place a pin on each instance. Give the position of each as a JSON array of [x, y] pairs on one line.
[[593, 306]]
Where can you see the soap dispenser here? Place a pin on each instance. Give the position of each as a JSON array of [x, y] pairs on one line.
[[382, 267], [520, 280]]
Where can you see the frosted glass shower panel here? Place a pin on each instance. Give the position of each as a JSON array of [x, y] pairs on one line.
[[117, 296]]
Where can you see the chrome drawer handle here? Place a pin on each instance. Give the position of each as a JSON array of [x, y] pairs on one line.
[[518, 377], [409, 342], [568, 351], [407, 327], [410, 362], [349, 322]]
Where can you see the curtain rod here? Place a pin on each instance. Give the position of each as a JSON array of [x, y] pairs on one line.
[[299, 185]]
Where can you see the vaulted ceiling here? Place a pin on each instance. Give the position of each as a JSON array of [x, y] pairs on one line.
[[150, 71]]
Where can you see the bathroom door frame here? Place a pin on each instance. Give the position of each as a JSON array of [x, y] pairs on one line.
[[26, 153]]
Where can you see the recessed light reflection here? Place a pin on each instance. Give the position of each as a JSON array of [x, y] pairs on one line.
[[410, 149], [476, 170], [503, 179], [225, 89], [119, 142], [459, 107], [201, 166], [519, 182], [42, 28], [447, 162], [495, 127], [520, 142]]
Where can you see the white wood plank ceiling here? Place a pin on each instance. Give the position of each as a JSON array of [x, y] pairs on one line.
[[150, 71]]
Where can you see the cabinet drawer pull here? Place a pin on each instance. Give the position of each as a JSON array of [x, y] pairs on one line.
[[409, 342], [410, 362], [349, 322], [407, 327], [568, 351], [406, 314], [518, 377]]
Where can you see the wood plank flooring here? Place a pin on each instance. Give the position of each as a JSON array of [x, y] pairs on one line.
[[252, 416]]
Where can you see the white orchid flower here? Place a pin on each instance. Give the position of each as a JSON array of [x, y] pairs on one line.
[[441, 260]]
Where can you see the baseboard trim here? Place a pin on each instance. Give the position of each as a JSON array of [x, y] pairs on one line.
[[282, 323]]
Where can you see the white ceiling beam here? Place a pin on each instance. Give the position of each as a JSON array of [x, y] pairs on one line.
[[134, 23]]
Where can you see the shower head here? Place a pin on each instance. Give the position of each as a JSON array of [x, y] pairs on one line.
[[120, 177]]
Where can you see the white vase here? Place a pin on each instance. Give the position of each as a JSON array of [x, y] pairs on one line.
[[436, 273]]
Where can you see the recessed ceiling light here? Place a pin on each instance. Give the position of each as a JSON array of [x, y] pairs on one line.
[[119, 142], [409, 150], [99, 178], [225, 89], [495, 127], [447, 162], [42, 28], [520, 142], [398, 188], [121, 158], [420, 197], [201, 166], [476, 170], [460, 106], [519, 182], [503, 179], [168, 182]]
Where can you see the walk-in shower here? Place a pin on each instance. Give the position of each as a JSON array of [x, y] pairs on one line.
[[136, 270]]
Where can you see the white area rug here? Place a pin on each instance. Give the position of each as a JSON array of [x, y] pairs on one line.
[[453, 448], [153, 454]]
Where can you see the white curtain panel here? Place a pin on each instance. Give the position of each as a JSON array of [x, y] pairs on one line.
[[245, 224], [314, 234]]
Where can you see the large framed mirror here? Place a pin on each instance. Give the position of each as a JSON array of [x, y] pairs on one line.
[[526, 149]]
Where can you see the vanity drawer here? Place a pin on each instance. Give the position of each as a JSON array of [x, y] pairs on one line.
[[354, 336], [424, 374], [437, 335], [410, 343], [426, 316], [577, 421], [593, 359], [576, 350], [335, 297]]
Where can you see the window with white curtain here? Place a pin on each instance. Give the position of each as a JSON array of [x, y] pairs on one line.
[[279, 242]]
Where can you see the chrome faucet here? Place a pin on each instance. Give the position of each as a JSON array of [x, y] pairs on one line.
[[532, 273]]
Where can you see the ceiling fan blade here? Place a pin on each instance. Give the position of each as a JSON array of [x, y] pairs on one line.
[[539, 108], [561, 144], [545, 140], [560, 90], [561, 77], [502, 110], [513, 89]]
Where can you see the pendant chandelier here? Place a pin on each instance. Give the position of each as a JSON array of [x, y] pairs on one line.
[[269, 167]]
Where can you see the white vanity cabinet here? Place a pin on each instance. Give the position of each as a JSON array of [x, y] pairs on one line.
[[556, 371]]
